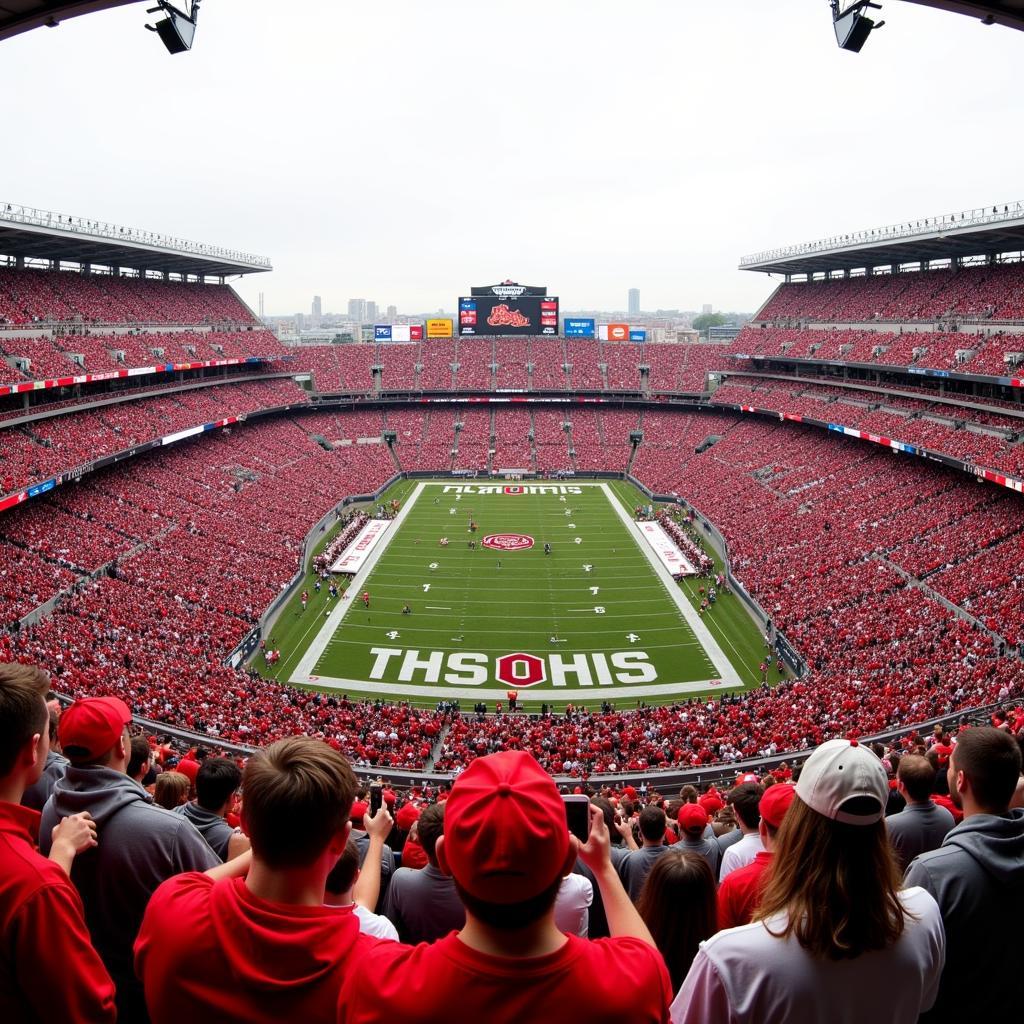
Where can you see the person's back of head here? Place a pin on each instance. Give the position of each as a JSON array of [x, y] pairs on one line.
[[345, 872], [834, 878], [429, 829], [652, 824], [745, 800], [24, 719], [985, 764], [688, 794], [139, 755], [217, 781], [917, 777], [170, 790], [506, 841], [678, 905], [94, 732], [298, 795]]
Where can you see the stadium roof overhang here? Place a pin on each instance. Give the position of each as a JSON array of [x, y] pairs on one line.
[[1002, 12], [982, 232], [21, 15], [42, 235]]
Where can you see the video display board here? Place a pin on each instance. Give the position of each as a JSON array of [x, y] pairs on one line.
[[508, 315]]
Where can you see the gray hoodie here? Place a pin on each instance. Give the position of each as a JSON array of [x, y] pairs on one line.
[[140, 845], [977, 879], [39, 792]]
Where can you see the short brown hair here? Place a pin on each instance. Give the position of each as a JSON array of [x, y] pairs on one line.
[[990, 758], [430, 827], [343, 874], [297, 794], [917, 775], [23, 711]]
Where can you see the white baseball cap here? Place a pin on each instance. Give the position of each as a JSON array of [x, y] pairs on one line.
[[838, 771]]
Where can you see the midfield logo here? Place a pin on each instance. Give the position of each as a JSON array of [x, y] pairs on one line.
[[508, 541]]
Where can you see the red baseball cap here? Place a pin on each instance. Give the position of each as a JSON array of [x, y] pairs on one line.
[[748, 777], [776, 801], [359, 809], [692, 816], [505, 833], [92, 725], [407, 814], [711, 802]]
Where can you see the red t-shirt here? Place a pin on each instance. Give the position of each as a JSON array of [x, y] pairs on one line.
[[608, 981], [48, 968], [740, 892], [212, 951]]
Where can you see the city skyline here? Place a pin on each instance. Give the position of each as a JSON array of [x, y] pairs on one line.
[[409, 188]]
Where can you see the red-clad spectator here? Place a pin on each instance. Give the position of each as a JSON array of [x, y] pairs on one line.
[[41, 916], [740, 893], [507, 846], [251, 940]]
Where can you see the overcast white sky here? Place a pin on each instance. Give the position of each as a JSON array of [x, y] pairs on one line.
[[403, 151]]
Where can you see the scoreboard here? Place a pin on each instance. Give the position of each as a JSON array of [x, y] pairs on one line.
[[508, 314]]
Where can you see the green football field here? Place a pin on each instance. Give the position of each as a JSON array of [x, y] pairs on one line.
[[597, 619]]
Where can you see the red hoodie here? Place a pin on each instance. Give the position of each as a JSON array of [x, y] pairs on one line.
[[212, 951]]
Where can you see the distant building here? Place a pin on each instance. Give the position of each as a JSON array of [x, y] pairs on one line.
[[634, 301], [357, 310], [392, 313], [300, 323], [316, 313], [706, 309], [371, 312]]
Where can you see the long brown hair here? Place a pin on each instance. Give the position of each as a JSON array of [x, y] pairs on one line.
[[838, 885], [678, 905]]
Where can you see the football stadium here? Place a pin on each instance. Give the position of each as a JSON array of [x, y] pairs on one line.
[[515, 656]]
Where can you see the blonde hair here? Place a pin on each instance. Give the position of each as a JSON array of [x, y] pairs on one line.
[[171, 789]]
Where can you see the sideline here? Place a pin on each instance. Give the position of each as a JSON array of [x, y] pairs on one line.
[[303, 673], [728, 674]]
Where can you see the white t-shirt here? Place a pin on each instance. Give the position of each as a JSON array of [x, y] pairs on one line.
[[740, 854], [572, 914], [746, 974]]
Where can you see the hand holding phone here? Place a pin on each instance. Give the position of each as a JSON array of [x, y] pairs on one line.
[[577, 815]]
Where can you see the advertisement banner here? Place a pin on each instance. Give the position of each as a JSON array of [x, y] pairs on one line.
[[579, 328], [617, 332], [665, 549], [637, 335], [353, 557], [400, 332], [382, 332], [440, 328], [415, 332]]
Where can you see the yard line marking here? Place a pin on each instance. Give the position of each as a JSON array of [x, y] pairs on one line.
[[437, 607]]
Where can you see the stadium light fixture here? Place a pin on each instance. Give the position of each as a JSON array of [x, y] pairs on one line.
[[851, 25], [178, 29]]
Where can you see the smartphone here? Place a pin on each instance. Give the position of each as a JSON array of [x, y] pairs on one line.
[[376, 797], [577, 815]]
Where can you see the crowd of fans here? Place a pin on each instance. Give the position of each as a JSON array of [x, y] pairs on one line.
[[154, 874], [44, 296], [42, 448], [971, 293]]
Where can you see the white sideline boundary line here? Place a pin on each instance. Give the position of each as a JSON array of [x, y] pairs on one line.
[[728, 674], [304, 669]]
